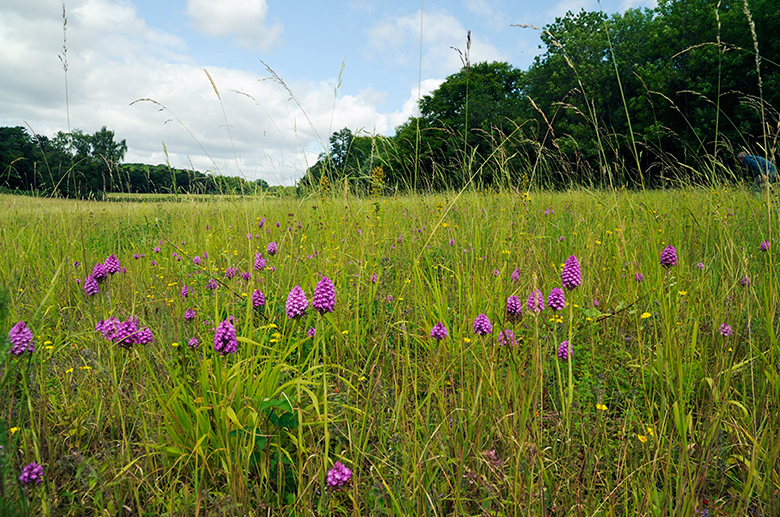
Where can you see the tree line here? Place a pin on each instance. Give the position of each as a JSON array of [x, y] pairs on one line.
[[79, 164], [648, 97]]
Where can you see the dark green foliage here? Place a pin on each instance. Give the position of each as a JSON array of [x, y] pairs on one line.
[[282, 418], [71, 164], [639, 98], [469, 117], [349, 156], [691, 100], [141, 178], [77, 164], [12, 499]]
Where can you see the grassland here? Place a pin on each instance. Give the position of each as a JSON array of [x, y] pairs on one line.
[[662, 410]]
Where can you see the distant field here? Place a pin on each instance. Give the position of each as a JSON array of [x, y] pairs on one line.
[[646, 384], [120, 196]]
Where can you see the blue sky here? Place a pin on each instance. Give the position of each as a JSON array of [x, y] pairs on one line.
[[120, 51]]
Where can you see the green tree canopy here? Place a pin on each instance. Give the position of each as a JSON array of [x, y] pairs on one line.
[[78, 164], [635, 98]]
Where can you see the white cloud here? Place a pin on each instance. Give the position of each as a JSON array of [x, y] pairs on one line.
[[410, 108], [488, 11], [561, 8], [631, 4], [244, 20], [115, 58], [608, 6], [397, 40]]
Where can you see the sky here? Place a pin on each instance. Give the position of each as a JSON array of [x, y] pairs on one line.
[[250, 88]]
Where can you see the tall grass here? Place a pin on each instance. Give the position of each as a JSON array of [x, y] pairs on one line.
[[666, 416], [668, 405]]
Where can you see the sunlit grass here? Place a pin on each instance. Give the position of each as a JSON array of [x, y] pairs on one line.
[[658, 413]]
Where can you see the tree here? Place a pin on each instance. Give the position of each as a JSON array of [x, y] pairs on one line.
[[465, 119], [104, 147], [348, 156], [483, 96], [653, 93], [340, 144], [16, 157]]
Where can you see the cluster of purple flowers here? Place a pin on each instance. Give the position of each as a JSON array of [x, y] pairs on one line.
[[91, 286], [101, 272], [514, 308], [124, 333], [225, 341], [189, 315], [21, 338], [556, 300], [482, 325], [669, 257], [324, 299], [111, 265], [259, 262], [272, 248], [31, 473], [571, 278], [535, 303], [570, 275], [297, 303], [439, 331], [231, 272], [338, 476], [258, 299], [564, 351], [507, 338]]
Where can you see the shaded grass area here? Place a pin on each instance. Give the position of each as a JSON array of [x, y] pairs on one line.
[[657, 413]]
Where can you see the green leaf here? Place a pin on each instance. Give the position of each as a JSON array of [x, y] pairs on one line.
[[287, 419], [286, 416]]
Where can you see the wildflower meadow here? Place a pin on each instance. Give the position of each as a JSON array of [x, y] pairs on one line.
[[472, 353]]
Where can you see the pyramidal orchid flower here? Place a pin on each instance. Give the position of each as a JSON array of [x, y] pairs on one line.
[[482, 325], [21, 338], [296, 303], [570, 275], [225, 341], [324, 299]]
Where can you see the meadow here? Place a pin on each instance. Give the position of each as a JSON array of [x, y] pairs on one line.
[[154, 380]]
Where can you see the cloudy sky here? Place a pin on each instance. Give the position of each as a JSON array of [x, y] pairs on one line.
[[248, 87]]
